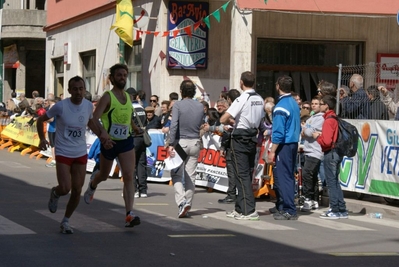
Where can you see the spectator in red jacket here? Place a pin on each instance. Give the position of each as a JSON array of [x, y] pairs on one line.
[[332, 161]]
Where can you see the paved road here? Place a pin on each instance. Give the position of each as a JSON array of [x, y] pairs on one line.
[[29, 233]]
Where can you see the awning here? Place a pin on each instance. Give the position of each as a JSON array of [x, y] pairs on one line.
[[353, 7]]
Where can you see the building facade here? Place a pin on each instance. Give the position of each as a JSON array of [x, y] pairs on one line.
[[22, 55], [304, 39]]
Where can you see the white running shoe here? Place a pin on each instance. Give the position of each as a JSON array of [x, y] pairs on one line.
[[65, 228], [250, 217], [315, 205], [88, 196], [232, 214], [307, 205]]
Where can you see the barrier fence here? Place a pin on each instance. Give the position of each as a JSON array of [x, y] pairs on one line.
[[374, 170], [384, 73]]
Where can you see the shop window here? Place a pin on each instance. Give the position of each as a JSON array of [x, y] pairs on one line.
[[89, 70], [307, 62], [58, 64], [132, 58]]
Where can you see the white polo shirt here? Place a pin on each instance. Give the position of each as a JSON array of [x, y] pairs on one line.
[[247, 110]]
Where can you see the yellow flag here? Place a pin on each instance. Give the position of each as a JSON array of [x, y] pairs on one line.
[[124, 21]]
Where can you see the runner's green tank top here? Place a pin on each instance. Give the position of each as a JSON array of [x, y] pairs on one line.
[[117, 120]]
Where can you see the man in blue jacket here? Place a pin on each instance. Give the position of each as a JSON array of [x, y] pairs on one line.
[[285, 136]]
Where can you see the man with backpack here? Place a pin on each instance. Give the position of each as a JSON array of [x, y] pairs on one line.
[[332, 159]]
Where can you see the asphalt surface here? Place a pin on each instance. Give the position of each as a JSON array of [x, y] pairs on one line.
[[29, 233]]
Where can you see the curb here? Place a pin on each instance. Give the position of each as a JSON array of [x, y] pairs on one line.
[[370, 204]]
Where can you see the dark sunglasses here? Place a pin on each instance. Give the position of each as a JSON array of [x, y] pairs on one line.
[[306, 107], [153, 100]]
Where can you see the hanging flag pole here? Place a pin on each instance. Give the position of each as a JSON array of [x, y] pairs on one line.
[[124, 21]]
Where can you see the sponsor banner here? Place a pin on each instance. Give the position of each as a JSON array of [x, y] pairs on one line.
[[375, 169], [211, 169], [156, 154], [20, 131]]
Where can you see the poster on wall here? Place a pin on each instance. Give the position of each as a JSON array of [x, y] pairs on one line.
[[388, 69], [11, 58], [187, 48]]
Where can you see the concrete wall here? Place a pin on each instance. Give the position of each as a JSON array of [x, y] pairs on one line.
[[62, 10], [86, 35], [93, 33]]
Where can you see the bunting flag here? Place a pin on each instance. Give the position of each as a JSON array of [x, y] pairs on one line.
[[161, 56], [190, 28], [124, 21]]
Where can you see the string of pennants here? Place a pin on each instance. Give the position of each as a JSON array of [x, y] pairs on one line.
[[188, 29]]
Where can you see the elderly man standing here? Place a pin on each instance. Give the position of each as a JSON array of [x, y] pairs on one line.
[[187, 118], [245, 115], [358, 106]]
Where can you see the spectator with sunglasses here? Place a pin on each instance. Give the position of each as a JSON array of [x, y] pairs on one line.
[[154, 103]]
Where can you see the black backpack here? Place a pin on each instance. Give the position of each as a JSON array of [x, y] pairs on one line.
[[348, 137]]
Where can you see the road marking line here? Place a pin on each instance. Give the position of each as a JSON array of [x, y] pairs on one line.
[[174, 224], [8, 227], [151, 204], [382, 222], [338, 225], [364, 254], [259, 225], [83, 223], [12, 164], [204, 235]]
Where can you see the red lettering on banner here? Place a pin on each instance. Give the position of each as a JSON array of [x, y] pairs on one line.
[[162, 153], [189, 10], [221, 162], [201, 155], [212, 157]]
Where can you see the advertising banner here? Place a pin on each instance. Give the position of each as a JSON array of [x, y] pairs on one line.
[[211, 169], [187, 47], [156, 154], [375, 169], [20, 131]]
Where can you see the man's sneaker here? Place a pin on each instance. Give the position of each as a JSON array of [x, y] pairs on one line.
[[343, 215], [51, 164], [132, 220], [315, 205], [227, 200], [232, 214], [283, 215], [330, 215], [65, 228], [88, 196], [183, 209], [273, 210], [250, 217], [307, 205], [136, 195], [53, 202], [143, 195]]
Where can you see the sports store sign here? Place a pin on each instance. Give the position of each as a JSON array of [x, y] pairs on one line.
[[375, 168], [188, 49]]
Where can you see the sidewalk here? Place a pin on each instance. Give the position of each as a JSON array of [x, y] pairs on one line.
[[369, 204]]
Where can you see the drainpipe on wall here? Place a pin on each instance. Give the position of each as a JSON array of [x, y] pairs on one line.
[[1, 58], [121, 51]]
